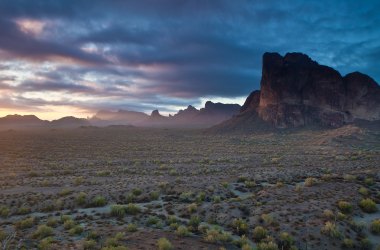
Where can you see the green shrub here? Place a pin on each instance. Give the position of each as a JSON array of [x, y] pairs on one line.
[[99, 201], [194, 222], [43, 231], [51, 222], [240, 226], [136, 191], [349, 177], [152, 220], [217, 235], [328, 214], [365, 244], [369, 181], [363, 191], [68, 224], [192, 208], [182, 231], [259, 233], [4, 211], [131, 227], [345, 207], [25, 223], [164, 244], [331, 230], [65, 218], [375, 226], [267, 246], [368, 205], [89, 245], [286, 240], [65, 192], [132, 209], [23, 210], [46, 244], [3, 235], [310, 181], [154, 195], [348, 243], [118, 211], [76, 230], [81, 198]]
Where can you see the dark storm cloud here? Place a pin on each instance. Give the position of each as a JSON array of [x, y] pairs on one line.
[[183, 49]]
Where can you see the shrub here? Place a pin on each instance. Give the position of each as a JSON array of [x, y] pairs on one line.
[[240, 226], [192, 208], [68, 224], [43, 231], [81, 198], [368, 205], [298, 188], [349, 177], [4, 211], [345, 207], [216, 199], [164, 244], [65, 192], [365, 244], [363, 191], [118, 211], [136, 191], [152, 220], [51, 222], [194, 221], [328, 214], [46, 244], [310, 181], [201, 197], [259, 233], [89, 245], [23, 210], [217, 235], [154, 195], [99, 201], [25, 223], [267, 246], [65, 218], [132, 209], [331, 230], [182, 231], [131, 227], [286, 240], [76, 230], [3, 235], [369, 181], [268, 219], [348, 243], [375, 226]]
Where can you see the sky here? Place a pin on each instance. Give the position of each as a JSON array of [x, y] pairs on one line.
[[75, 57]]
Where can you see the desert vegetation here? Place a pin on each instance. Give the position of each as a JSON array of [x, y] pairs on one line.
[[127, 188]]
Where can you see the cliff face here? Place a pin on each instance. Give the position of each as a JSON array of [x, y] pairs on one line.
[[297, 91]]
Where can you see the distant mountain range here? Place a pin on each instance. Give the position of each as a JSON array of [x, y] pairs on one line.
[[296, 91], [211, 114]]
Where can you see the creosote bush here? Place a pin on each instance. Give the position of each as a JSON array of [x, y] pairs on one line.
[[99, 201], [345, 207], [331, 230], [43, 231], [375, 227], [368, 205], [259, 233], [164, 244]]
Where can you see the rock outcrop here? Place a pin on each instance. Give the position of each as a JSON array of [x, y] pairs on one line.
[[296, 91]]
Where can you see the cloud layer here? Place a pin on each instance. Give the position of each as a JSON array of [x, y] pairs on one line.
[[167, 54]]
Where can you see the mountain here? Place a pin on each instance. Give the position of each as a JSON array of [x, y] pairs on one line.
[[17, 121], [120, 117], [70, 121], [296, 91]]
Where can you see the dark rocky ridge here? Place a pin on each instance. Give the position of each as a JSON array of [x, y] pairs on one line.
[[296, 91]]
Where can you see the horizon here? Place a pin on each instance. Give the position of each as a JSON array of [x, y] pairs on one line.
[[58, 60]]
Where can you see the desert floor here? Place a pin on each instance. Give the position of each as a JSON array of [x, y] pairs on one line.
[[105, 188]]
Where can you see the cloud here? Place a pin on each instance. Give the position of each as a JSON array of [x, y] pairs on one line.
[[146, 54]]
